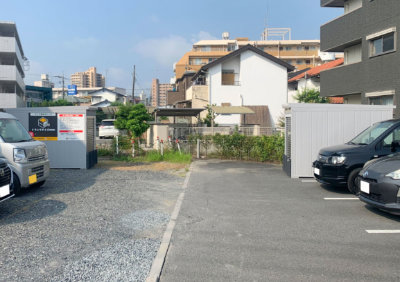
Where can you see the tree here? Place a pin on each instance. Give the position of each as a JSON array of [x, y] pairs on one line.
[[133, 118], [210, 117], [310, 96], [56, 103]]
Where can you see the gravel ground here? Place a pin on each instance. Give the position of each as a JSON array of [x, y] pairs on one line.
[[87, 225]]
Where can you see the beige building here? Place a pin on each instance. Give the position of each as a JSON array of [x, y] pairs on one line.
[[159, 93], [44, 81], [299, 53], [89, 78]]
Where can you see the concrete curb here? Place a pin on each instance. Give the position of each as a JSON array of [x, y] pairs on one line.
[[158, 263]]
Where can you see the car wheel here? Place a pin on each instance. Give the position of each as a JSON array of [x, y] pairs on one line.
[[351, 185], [16, 186]]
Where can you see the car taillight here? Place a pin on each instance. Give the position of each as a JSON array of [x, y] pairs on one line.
[[101, 126]]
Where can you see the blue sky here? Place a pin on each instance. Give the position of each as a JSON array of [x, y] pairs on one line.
[[66, 36]]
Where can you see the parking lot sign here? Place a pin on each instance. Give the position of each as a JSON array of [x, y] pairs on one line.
[[72, 90]]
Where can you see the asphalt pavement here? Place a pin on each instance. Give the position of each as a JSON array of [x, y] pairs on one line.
[[250, 222]]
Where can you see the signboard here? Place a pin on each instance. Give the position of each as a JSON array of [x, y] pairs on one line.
[[43, 126], [72, 90], [71, 127]]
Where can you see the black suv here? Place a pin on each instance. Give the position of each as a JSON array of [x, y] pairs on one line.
[[340, 165], [6, 189]]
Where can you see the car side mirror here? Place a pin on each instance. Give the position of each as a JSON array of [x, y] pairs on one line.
[[394, 146]]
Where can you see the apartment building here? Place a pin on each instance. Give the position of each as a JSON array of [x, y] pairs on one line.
[[159, 93], [12, 58], [299, 53], [83, 92], [89, 78], [44, 82], [367, 34]]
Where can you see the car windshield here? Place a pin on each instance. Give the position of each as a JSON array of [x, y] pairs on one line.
[[12, 131], [370, 134], [107, 123]]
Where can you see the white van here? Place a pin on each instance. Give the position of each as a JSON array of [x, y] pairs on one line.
[[28, 158]]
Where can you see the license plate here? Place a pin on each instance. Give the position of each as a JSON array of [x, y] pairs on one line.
[[316, 171], [364, 187], [32, 179], [4, 191]]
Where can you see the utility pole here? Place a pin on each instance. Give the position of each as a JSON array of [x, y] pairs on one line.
[[133, 86], [63, 78]]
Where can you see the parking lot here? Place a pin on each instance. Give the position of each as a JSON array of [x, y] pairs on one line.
[[250, 222], [101, 224]]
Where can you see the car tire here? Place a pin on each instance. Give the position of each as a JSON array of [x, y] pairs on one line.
[[16, 186], [351, 185]]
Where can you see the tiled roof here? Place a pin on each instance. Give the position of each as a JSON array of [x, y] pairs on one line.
[[317, 70], [336, 100]]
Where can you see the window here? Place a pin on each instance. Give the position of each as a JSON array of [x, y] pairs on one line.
[[381, 100], [228, 77], [206, 48], [308, 62], [281, 48], [299, 48], [313, 47], [197, 61], [288, 48], [382, 44], [306, 48], [299, 62]]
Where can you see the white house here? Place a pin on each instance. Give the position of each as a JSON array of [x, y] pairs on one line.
[[106, 94], [246, 77]]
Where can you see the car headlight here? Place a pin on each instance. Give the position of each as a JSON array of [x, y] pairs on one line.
[[338, 159], [19, 155], [394, 175]]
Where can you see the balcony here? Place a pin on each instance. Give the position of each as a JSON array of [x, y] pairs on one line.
[[11, 73], [10, 45], [342, 32], [342, 80], [332, 3]]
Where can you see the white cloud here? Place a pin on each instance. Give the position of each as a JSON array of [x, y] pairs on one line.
[[168, 50], [203, 35], [79, 43]]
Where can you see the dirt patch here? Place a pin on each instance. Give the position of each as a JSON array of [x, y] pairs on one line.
[[176, 168]]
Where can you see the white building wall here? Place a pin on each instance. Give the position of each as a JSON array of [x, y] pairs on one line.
[[353, 54], [262, 82]]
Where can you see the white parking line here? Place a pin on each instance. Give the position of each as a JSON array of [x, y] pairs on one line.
[[309, 181], [383, 231], [340, 199]]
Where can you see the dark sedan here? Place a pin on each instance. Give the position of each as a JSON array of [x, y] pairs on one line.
[[379, 183]]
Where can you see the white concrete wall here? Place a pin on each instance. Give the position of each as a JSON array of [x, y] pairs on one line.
[[351, 5], [353, 54], [262, 82]]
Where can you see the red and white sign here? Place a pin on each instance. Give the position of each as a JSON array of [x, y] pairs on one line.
[[71, 127]]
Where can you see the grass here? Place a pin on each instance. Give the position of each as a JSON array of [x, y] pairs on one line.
[[155, 156], [104, 152]]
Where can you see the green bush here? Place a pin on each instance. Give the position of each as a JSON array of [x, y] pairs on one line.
[[102, 152], [240, 147]]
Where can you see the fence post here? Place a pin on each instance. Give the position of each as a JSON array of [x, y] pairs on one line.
[[133, 148], [158, 143], [179, 147], [117, 149], [198, 148], [162, 147]]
